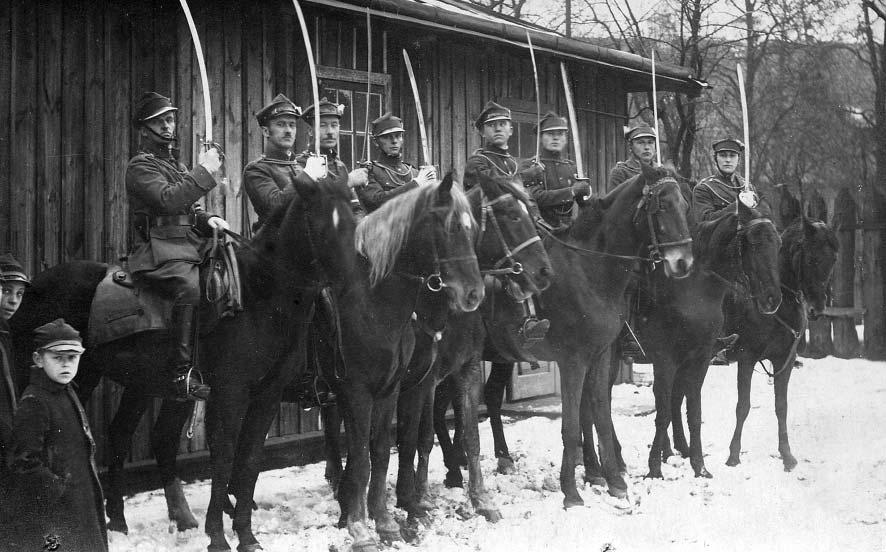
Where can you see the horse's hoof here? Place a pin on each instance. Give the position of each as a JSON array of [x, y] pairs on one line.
[[222, 546], [595, 480], [506, 466], [572, 502], [617, 493], [733, 461], [492, 515], [118, 525], [654, 474], [390, 537], [789, 462], [366, 546], [249, 547], [453, 479], [704, 473]]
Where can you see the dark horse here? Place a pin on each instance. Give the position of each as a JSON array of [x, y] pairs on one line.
[[805, 263], [680, 321], [642, 219], [420, 240], [451, 343], [282, 269]]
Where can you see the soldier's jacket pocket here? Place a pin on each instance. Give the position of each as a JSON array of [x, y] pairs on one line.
[[175, 243]]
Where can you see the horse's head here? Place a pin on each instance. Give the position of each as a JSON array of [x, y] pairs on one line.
[[757, 243], [507, 242], [428, 233], [660, 218], [311, 239], [810, 251]]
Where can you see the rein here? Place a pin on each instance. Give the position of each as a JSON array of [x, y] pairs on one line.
[[515, 267]]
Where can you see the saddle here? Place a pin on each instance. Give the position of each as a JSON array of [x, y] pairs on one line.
[[503, 318], [120, 308]]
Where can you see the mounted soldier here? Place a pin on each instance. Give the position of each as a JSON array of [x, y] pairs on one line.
[[555, 190], [493, 160], [388, 175], [270, 180], [330, 120], [168, 229], [641, 143], [720, 190]]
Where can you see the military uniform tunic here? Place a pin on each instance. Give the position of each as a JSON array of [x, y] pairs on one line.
[[494, 162], [552, 190], [270, 183], [715, 193], [623, 171], [388, 178], [167, 221]]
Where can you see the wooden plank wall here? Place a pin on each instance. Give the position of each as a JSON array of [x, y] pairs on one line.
[[70, 71]]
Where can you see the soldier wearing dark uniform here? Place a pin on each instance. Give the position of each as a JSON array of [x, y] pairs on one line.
[[641, 141], [720, 190], [168, 228], [270, 180], [388, 175], [330, 118], [556, 190]]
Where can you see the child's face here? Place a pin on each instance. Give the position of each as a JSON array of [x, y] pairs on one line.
[[11, 298], [497, 133], [60, 366]]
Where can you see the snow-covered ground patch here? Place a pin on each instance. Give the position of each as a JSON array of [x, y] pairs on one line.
[[834, 500]]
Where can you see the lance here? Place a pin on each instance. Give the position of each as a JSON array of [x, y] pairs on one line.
[[537, 100], [368, 84], [655, 111], [425, 150], [747, 196], [573, 125], [315, 91]]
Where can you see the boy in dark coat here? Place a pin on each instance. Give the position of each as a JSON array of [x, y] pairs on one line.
[[58, 502], [12, 287]]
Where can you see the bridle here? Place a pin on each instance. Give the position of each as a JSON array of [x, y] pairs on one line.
[[651, 200], [434, 281], [487, 213]]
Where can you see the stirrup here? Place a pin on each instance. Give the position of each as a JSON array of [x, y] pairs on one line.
[[720, 359], [189, 386], [534, 330]]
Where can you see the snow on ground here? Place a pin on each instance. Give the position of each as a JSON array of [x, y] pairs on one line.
[[834, 500]]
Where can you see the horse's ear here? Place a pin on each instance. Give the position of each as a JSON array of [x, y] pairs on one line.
[[446, 185]]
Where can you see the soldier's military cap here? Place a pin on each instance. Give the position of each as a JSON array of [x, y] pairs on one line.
[[326, 108], [280, 105], [492, 112], [550, 121], [387, 124], [641, 131], [11, 270], [150, 105], [58, 336], [728, 144]]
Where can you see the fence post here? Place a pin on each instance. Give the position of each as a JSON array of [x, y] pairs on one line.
[[843, 283], [820, 343]]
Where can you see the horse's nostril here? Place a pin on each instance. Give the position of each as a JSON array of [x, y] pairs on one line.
[[545, 271], [682, 266], [474, 296]]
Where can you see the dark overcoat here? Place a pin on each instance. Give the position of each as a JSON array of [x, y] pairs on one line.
[[270, 183], [54, 493], [622, 171], [552, 189], [715, 193], [494, 162], [7, 396], [387, 179]]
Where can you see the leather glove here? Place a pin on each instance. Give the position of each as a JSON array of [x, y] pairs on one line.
[[315, 167], [358, 178], [218, 223], [426, 175], [210, 160], [581, 190]]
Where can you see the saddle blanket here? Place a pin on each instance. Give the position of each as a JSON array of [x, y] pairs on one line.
[[120, 309]]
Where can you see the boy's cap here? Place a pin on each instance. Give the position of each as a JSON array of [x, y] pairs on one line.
[[11, 270], [551, 122], [58, 336]]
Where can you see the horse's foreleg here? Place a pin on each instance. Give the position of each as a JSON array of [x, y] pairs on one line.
[[409, 411], [742, 408], [694, 382], [380, 456], [425, 445], [132, 407], [781, 411], [597, 380], [493, 392], [469, 382], [225, 410], [331, 416], [662, 387], [165, 437], [593, 470], [680, 444], [572, 374], [443, 397], [356, 404]]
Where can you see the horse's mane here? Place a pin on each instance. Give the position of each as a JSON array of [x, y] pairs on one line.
[[380, 236]]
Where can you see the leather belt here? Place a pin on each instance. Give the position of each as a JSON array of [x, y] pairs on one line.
[[175, 220]]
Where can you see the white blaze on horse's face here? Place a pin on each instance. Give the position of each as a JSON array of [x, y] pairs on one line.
[[335, 218], [466, 220]]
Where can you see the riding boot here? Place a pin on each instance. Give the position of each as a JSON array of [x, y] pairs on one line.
[[630, 348], [187, 381], [726, 344]]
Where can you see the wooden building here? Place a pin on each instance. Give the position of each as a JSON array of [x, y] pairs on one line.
[[70, 70]]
